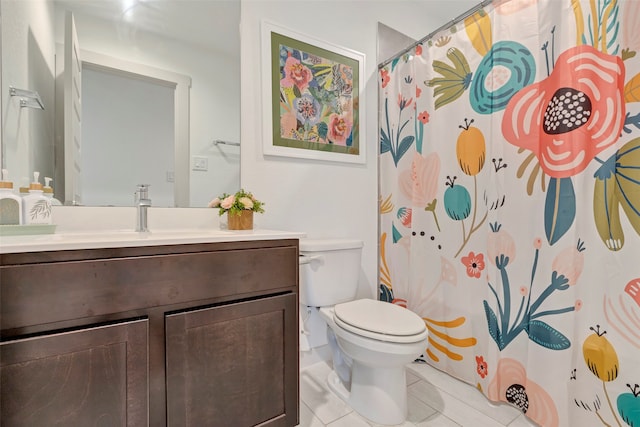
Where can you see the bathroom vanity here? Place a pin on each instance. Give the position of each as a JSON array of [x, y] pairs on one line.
[[176, 333]]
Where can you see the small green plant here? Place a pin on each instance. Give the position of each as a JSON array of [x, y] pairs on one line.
[[236, 203]]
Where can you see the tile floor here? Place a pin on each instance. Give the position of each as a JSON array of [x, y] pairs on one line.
[[435, 399]]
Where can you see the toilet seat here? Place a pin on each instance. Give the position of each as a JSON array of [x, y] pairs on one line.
[[380, 320]]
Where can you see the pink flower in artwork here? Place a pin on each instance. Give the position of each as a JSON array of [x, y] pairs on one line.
[[288, 123], [296, 73], [339, 128], [474, 264], [572, 115]]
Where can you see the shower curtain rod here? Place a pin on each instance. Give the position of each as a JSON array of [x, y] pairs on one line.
[[445, 26]]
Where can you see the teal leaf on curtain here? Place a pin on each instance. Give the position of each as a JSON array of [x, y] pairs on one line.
[[492, 323], [396, 234], [559, 208], [385, 142], [543, 334], [394, 63], [605, 17], [403, 147], [386, 293], [386, 138]]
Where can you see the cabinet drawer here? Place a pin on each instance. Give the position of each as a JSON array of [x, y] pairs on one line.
[[52, 292], [93, 376]]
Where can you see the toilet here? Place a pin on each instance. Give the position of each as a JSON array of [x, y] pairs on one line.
[[371, 341]]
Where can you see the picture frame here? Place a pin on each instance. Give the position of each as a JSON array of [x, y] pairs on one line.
[[312, 96]]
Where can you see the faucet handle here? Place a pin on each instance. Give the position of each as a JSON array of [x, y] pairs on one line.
[[142, 191]]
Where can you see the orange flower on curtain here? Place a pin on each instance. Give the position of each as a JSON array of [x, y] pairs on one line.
[[572, 115]]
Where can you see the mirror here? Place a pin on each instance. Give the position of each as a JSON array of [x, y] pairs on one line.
[[134, 54]]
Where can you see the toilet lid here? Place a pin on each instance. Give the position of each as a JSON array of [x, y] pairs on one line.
[[380, 320]]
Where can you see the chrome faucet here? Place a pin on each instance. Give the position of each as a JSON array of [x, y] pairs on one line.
[[142, 202]]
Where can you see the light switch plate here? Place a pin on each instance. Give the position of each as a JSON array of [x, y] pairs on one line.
[[200, 163]]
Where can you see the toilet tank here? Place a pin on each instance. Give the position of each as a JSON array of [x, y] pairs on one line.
[[329, 270]]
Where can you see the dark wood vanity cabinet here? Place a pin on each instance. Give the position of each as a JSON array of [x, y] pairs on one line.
[[181, 335]]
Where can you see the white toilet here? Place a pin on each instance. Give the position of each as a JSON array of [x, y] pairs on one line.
[[371, 340]]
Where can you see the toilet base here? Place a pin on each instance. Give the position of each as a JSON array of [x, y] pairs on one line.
[[378, 394]]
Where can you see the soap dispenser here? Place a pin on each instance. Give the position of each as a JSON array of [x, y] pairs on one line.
[[10, 203], [37, 207], [47, 190]]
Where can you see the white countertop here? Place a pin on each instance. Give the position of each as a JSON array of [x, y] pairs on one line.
[[118, 239]]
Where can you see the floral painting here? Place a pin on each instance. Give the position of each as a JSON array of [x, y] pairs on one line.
[[314, 98]]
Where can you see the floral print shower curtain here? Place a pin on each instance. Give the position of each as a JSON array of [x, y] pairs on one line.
[[510, 204]]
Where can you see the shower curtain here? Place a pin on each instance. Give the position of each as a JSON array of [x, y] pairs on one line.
[[510, 204]]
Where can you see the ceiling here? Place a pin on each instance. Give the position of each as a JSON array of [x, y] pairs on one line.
[[205, 23]]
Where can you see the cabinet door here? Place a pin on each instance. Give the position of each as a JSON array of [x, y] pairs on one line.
[[89, 377], [234, 365]]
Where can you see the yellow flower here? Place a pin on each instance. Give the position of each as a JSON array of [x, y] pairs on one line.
[[600, 356], [470, 149]]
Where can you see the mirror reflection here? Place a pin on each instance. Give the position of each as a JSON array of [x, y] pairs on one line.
[[134, 91]]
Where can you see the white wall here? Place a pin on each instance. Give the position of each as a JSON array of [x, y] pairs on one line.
[[323, 198]]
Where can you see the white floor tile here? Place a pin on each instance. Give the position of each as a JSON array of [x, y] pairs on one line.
[[450, 406], [435, 399], [411, 377], [503, 413], [350, 420], [438, 420], [307, 419], [418, 410], [314, 392], [522, 421]]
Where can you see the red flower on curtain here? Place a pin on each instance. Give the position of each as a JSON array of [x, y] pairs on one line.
[[385, 78], [572, 115], [481, 367], [474, 263]]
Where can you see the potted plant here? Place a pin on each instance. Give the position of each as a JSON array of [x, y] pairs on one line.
[[239, 208]]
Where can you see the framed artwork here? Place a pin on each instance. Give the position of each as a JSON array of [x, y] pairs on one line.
[[312, 97]]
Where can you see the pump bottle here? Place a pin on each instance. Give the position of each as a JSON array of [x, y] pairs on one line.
[[10, 202], [37, 207]]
